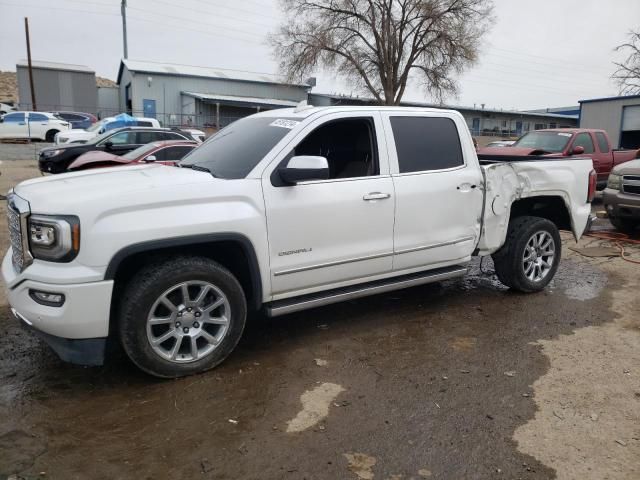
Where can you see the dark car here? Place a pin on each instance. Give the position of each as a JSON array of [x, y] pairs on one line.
[[168, 152], [77, 119], [118, 142]]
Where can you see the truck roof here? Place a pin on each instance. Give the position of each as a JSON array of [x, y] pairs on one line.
[[308, 110], [571, 130]]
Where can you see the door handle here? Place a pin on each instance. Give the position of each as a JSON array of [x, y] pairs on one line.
[[376, 196], [465, 187]]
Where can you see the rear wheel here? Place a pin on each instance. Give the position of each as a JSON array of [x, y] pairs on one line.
[[181, 317], [529, 259], [625, 225], [50, 136]]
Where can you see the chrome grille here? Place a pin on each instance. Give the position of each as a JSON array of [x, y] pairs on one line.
[[17, 211], [631, 184]]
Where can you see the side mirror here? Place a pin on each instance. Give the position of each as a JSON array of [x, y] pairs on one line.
[[150, 158], [579, 150], [108, 145], [305, 168]]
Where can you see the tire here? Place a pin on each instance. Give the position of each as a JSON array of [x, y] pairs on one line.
[[511, 266], [50, 136], [624, 225], [143, 299]]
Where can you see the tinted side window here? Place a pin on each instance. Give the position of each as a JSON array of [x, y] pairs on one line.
[[171, 136], [148, 137], [425, 143], [142, 123], [14, 117], [38, 117], [175, 153], [602, 142], [122, 138], [584, 140]]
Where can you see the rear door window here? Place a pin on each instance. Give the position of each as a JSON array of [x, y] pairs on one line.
[[143, 123], [602, 142], [426, 143], [148, 137], [14, 117]]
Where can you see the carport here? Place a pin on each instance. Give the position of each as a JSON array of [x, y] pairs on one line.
[[218, 110]]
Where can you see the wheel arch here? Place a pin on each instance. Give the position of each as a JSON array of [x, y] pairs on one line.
[[551, 207], [234, 251]]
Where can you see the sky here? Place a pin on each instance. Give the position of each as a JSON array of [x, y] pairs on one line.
[[539, 54]]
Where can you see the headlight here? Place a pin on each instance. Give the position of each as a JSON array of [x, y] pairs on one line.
[[54, 238], [51, 153], [614, 182]]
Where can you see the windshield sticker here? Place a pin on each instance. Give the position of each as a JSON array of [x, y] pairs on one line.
[[564, 134], [281, 122]]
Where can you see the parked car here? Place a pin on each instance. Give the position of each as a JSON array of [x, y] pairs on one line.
[[77, 119], [281, 211], [168, 152], [198, 135], [105, 125], [621, 198], [34, 125], [500, 143], [565, 142], [6, 108], [118, 142]]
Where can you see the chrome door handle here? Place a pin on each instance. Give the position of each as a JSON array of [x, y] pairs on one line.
[[376, 196]]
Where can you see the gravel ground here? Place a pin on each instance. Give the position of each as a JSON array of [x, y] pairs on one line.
[[460, 380]]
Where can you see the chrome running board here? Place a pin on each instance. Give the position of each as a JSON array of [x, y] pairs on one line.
[[297, 304]]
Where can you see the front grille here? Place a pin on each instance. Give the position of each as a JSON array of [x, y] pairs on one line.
[[17, 211], [631, 184]]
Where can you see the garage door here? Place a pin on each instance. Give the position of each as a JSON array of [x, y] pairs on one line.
[[631, 118]]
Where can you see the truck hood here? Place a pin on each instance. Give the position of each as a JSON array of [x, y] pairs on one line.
[[516, 152], [76, 134], [64, 193], [628, 168]]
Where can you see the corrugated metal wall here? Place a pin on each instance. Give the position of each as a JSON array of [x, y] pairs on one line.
[[606, 115], [58, 90]]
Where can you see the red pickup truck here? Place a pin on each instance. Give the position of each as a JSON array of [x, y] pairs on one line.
[[564, 142]]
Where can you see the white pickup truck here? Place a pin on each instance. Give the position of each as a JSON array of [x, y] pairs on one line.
[[281, 211]]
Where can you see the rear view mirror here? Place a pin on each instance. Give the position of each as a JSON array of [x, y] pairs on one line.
[[150, 158], [579, 150], [305, 168], [108, 145]]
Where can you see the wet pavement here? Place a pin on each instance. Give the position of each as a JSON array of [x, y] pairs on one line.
[[429, 382]]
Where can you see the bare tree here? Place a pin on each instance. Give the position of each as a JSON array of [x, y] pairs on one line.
[[627, 76], [379, 45]]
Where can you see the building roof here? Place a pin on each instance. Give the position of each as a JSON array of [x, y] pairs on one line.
[[450, 107], [68, 67], [196, 71], [610, 99], [241, 101]]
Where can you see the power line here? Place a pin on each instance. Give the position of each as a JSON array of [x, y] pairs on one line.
[[235, 9]]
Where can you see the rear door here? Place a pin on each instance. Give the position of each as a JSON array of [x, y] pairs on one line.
[[337, 231], [14, 125], [438, 186]]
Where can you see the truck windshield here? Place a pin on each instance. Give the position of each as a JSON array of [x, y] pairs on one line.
[[547, 141], [235, 150]]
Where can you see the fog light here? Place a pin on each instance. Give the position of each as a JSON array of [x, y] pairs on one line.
[[47, 298]]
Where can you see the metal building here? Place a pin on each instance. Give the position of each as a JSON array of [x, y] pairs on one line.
[[481, 121], [619, 116], [57, 86], [201, 96]]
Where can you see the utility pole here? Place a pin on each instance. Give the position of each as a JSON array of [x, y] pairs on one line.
[[123, 10], [33, 91]]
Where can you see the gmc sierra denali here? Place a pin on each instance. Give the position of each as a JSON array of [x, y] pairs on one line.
[[281, 211]]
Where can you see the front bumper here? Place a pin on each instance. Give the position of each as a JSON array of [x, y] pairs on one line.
[[84, 315], [621, 205]]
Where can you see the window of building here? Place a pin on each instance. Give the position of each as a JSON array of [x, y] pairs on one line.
[[584, 140], [603, 143], [540, 126], [426, 143]]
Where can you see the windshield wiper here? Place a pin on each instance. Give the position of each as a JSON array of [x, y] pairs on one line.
[[200, 168]]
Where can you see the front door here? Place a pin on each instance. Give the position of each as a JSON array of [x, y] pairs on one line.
[[438, 191], [336, 231]]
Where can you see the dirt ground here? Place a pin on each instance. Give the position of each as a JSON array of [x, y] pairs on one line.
[[459, 380]]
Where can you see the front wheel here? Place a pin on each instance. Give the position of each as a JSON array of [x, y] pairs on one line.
[[50, 136], [182, 316], [530, 257], [624, 225]]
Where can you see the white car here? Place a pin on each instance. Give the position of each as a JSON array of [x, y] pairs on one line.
[[83, 136], [501, 143], [281, 211], [198, 135], [34, 125], [6, 108]]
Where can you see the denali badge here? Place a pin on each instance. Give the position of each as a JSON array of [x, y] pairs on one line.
[[293, 252]]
